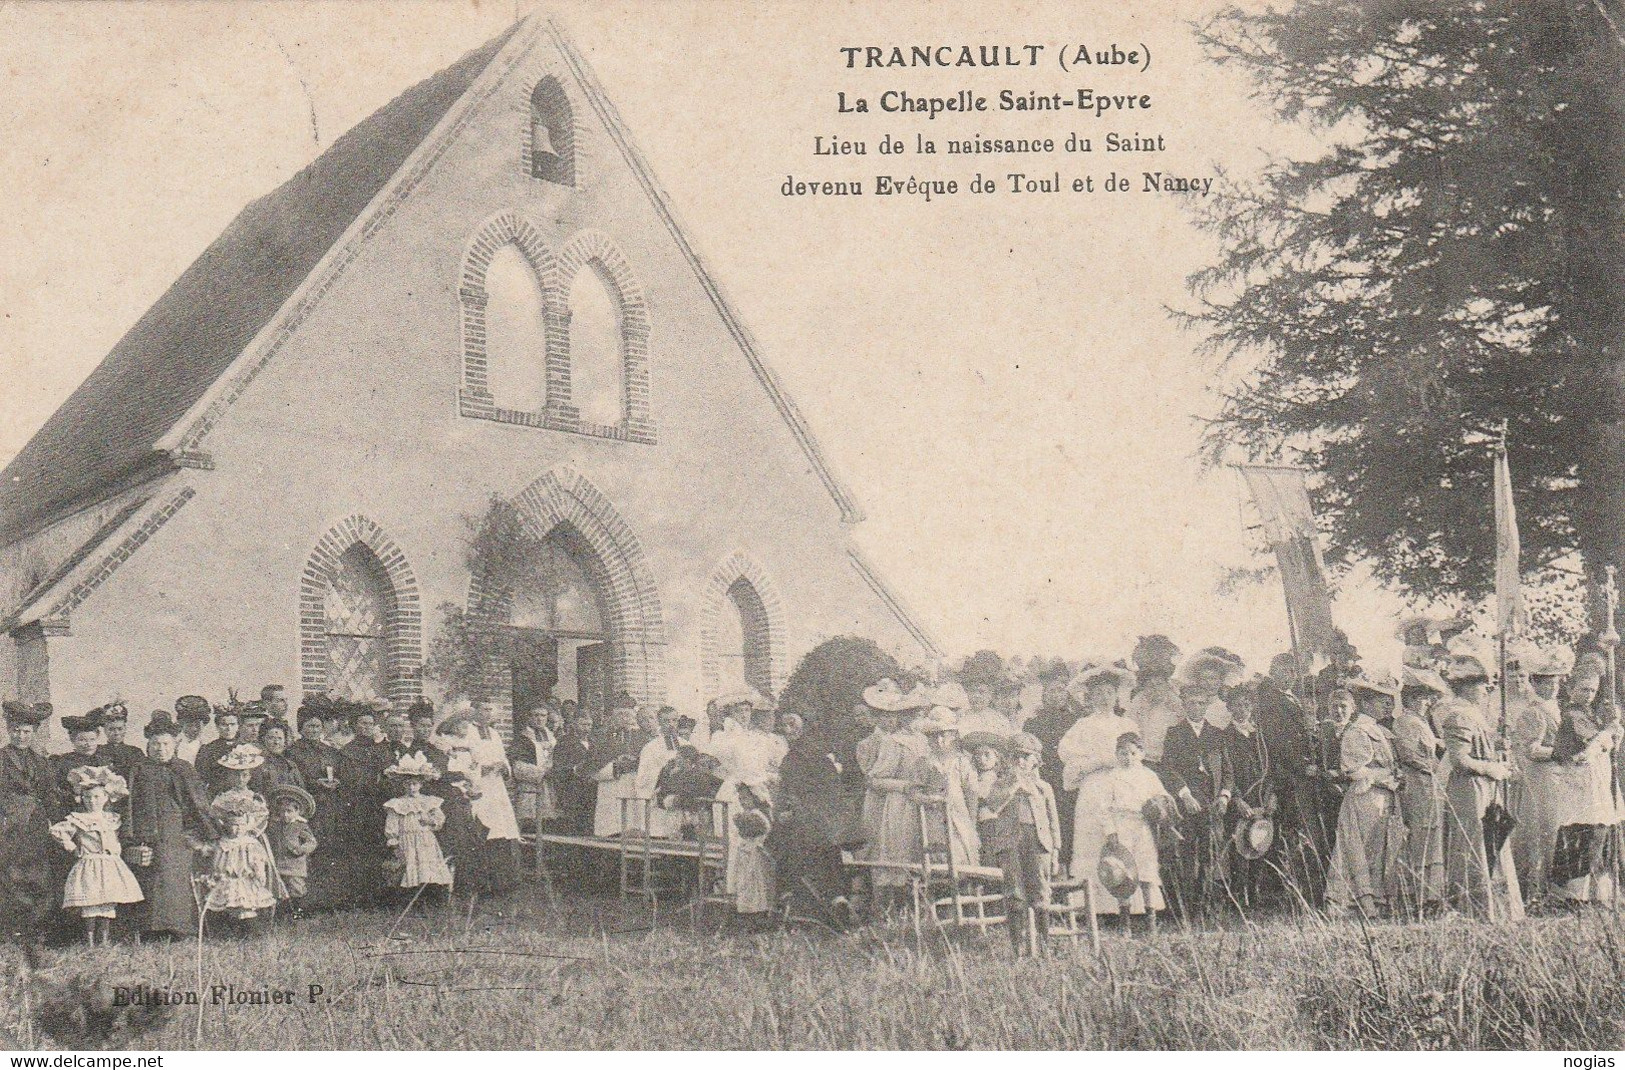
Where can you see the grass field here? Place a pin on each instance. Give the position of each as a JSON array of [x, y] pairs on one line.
[[592, 976]]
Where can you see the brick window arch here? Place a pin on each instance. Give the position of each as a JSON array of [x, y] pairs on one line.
[[556, 278], [499, 239], [566, 506], [360, 623], [550, 148], [592, 251], [741, 606]]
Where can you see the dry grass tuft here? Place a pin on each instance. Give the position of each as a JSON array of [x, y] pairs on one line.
[[591, 976]]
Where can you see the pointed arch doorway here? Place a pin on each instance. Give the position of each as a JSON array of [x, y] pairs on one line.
[[560, 638], [584, 621]]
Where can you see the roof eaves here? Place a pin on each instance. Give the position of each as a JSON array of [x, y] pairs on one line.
[[894, 602], [188, 433]]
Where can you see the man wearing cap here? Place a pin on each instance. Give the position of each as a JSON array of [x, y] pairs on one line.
[[1480, 883], [1025, 841], [116, 754], [28, 895], [192, 713], [168, 820]]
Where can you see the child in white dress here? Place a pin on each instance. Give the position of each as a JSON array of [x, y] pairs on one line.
[[752, 866], [99, 880], [410, 823], [1130, 792], [243, 879]]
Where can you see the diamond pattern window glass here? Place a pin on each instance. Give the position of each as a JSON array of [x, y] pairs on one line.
[[360, 605]]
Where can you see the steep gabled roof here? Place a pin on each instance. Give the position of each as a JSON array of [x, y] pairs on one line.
[[851, 511], [119, 428], [104, 436]]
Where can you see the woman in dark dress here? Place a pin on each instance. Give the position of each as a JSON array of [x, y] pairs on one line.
[[168, 819], [279, 769], [318, 762], [28, 894]]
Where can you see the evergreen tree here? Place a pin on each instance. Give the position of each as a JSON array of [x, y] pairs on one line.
[[1453, 259]]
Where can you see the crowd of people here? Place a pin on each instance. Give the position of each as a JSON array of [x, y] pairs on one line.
[[1156, 783], [233, 814], [1193, 786]]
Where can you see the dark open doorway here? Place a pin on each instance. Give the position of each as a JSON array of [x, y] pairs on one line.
[[560, 639]]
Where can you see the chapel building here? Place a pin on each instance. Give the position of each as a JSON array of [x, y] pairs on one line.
[[480, 290]]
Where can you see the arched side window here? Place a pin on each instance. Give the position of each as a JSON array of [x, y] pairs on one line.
[[515, 327], [743, 630], [359, 606], [515, 332], [744, 644], [552, 134], [556, 343], [359, 622]]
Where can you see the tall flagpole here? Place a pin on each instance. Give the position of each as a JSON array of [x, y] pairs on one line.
[[1501, 610]]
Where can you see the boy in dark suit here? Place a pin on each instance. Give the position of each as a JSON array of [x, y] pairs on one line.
[[1194, 751], [1025, 841]]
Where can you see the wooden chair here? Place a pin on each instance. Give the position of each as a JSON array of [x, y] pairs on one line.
[[636, 852], [1068, 919], [711, 883], [953, 894]]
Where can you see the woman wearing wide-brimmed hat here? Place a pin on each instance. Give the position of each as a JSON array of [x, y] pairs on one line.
[[1362, 872], [28, 802], [1481, 882], [889, 808], [1544, 782], [1421, 755]]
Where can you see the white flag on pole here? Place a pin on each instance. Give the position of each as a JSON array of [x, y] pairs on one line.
[[1508, 596]]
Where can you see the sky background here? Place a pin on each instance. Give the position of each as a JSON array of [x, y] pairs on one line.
[[997, 378]]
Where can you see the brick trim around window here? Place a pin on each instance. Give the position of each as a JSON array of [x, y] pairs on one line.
[[765, 635], [406, 617], [555, 275]]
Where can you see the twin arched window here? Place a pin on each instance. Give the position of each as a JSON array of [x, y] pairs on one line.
[[554, 341], [517, 343]]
